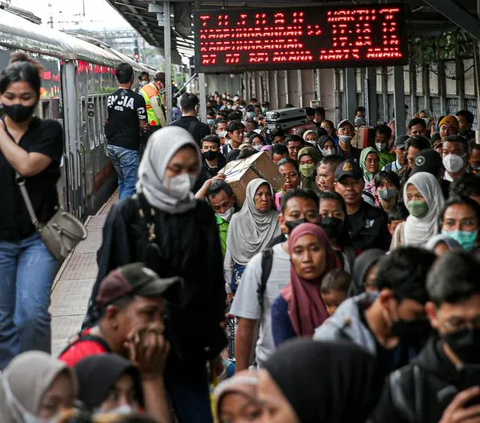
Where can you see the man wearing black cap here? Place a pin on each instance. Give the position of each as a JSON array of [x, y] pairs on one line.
[[430, 161], [129, 298], [367, 225]]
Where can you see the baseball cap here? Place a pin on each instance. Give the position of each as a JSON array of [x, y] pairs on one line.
[[348, 168], [132, 279], [343, 122], [401, 141], [427, 161]]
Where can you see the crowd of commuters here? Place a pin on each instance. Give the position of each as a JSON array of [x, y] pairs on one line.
[[351, 294]]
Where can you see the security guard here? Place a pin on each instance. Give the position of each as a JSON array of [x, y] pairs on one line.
[[151, 92]]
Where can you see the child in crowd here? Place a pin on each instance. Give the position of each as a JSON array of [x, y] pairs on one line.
[[334, 289], [398, 214]]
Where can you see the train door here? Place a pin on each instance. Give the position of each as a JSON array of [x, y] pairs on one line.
[[74, 140]]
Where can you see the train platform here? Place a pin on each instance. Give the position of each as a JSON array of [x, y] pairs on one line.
[[73, 283]]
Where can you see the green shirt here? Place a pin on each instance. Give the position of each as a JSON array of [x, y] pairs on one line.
[[223, 232], [385, 158]]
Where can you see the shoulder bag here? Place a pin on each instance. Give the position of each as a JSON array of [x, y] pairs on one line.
[[61, 233]]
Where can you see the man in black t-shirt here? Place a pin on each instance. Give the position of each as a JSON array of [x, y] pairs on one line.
[[189, 104], [126, 116]]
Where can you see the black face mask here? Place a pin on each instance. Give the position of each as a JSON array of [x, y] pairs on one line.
[[413, 330], [292, 225], [332, 226], [18, 112], [465, 344], [210, 155]]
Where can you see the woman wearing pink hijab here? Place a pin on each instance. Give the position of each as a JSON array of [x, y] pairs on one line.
[[299, 308]]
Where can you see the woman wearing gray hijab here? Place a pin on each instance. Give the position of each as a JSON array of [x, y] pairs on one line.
[[250, 230], [174, 234], [36, 387]]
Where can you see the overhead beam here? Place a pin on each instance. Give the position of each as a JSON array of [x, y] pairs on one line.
[[453, 12]]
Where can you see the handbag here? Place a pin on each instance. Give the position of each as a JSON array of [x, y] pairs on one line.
[[61, 233]]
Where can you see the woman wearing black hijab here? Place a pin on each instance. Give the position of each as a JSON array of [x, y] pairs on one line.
[[364, 272], [326, 382], [109, 383]]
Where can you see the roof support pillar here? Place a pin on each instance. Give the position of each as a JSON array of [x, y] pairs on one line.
[[351, 93], [167, 38], [399, 97], [371, 96]]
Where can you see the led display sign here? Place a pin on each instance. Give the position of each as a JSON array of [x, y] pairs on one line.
[[296, 38]]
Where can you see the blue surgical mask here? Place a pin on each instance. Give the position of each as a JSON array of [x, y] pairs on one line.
[[251, 115], [210, 122], [467, 239]]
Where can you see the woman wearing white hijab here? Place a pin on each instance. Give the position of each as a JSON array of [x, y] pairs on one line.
[[423, 197], [174, 234], [36, 387], [250, 230]]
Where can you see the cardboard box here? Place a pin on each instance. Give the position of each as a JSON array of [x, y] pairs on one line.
[[360, 139], [240, 172]]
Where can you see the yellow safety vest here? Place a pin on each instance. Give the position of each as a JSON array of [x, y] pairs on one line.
[[148, 91]]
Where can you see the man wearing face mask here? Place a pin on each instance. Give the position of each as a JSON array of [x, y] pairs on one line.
[[382, 137], [265, 275], [212, 160], [442, 383], [221, 129], [345, 132], [391, 324], [454, 156], [221, 198], [250, 112]]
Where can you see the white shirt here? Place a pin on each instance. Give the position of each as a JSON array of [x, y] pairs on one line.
[[245, 304]]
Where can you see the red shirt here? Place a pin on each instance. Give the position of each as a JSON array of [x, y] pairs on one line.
[[83, 346]]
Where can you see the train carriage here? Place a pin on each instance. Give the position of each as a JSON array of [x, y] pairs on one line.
[[77, 79]]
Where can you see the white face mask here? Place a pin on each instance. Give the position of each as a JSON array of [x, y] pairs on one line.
[[380, 146], [328, 152], [222, 134], [18, 410], [179, 186], [123, 410], [257, 147], [227, 216], [453, 163]]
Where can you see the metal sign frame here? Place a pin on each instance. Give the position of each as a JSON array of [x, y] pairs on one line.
[[300, 38]]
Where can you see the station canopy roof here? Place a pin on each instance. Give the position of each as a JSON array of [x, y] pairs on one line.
[[426, 17]]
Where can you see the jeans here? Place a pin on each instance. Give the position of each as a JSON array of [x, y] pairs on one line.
[[27, 271], [125, 162]]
